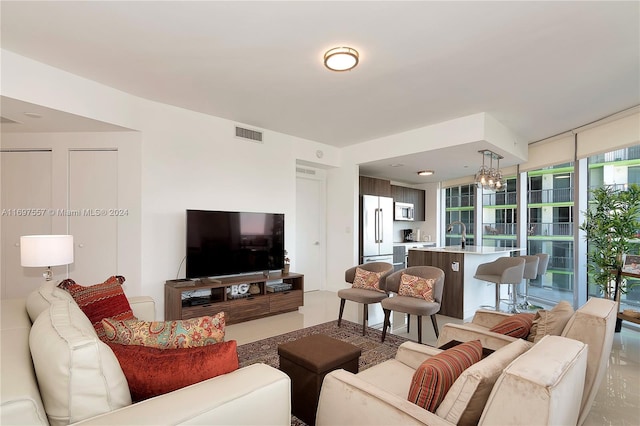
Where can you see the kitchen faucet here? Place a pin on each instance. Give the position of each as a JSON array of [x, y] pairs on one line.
[[464, 231]]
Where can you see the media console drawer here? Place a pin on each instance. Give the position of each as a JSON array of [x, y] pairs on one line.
[[285, 301], [208, 297]]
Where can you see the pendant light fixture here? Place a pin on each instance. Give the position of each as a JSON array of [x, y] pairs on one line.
[[488, 177]]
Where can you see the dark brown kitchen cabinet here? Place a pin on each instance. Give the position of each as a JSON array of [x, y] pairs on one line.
[[374, 186], [416, 197]]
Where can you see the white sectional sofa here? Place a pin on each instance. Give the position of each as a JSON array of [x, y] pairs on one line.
[[77, 379]]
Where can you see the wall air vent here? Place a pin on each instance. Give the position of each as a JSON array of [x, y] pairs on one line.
[[252, 135], [305, 171], [5, 120]]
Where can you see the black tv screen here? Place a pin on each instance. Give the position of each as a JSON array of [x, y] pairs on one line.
[[228, 243]]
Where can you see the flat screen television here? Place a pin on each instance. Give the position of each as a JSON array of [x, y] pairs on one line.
[[229, 243]]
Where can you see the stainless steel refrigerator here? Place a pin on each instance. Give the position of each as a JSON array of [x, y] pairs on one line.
[[377, 229]]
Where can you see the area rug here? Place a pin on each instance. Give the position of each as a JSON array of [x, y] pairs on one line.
[[373, 351]]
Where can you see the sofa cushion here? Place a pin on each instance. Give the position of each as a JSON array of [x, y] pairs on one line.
[[188, 333], [419, 287], [87, 379], [368, 280], [151, 372], [550, 322], [464, 402], [434, 377], [517, 325], [105, 300], [39, 300]]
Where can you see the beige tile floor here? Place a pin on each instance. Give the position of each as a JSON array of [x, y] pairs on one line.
[[617, 402]]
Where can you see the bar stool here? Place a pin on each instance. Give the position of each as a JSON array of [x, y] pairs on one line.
[[503, 270], [530, 273], [543, 263]]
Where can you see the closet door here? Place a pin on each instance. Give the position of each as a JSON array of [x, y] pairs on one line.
[[93, 193], [26, 198]]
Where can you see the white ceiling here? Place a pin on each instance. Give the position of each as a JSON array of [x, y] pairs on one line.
[[540, 68]]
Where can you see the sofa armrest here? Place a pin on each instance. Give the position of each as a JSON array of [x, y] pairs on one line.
[[488, 319], [465, 333], [346, 399], [254, 395], [545, 383], [143, 307], [413, 354]]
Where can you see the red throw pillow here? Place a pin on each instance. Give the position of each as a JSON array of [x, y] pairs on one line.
[[151, 372], [517, 325], [433, 379], [419, 287], [105, 300]]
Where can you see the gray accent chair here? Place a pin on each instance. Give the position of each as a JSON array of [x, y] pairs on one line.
[[413, 305], [361, 295], [503, 270]]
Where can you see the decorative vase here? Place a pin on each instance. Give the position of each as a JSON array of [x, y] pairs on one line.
[[285, 270], [254, 289]]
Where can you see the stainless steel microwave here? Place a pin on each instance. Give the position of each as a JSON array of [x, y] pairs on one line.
[[403, 211]]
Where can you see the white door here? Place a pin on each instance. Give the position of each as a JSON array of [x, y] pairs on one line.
[[26, 200], [310, 256], [93, 193]]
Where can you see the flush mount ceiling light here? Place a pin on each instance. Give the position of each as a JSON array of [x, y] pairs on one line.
[[341, 59], [425, 172], [488, 177]]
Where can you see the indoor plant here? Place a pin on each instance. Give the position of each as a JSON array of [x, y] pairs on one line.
[[610, 222]]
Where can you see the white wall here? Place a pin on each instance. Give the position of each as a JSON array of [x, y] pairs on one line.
[[187, 160]]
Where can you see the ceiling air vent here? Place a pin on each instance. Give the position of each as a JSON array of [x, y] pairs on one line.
[[252, 135], [305, 171]]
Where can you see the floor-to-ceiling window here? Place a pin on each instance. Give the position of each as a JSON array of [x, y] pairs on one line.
[[550, 230], [618, 169], [459, 206], [500, 215]]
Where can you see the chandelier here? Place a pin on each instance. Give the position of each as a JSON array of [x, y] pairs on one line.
[[488, 177]]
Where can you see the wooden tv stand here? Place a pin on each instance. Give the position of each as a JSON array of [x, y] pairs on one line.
[[215, 295]]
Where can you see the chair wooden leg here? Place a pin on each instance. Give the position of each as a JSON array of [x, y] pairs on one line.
[[419, 328], [341, 311], [365, 318], [434, 321], [408, 323], [387, 323]]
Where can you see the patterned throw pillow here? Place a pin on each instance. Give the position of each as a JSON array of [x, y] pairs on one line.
[[177, 334], [367, 280], [515, 325], [433, 379], [105, 300], [413, 286], [151, 371]]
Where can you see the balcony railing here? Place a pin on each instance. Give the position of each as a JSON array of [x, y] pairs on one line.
[[534, 229], [561, 195]]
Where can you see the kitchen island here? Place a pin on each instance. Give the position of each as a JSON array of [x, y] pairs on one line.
[[462, 294]]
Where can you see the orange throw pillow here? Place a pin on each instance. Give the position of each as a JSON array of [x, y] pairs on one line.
[[517, 325], [151, 372], [433, 379]]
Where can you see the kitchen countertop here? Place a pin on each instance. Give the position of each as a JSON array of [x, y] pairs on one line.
[[471, 249], [411, 243]]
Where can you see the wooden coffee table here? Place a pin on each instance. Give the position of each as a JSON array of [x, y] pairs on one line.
[[306, 361]]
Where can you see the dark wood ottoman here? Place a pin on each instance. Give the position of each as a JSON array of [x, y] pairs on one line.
[[306, 361]]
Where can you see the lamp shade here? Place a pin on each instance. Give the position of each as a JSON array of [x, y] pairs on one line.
[[46, 250]]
